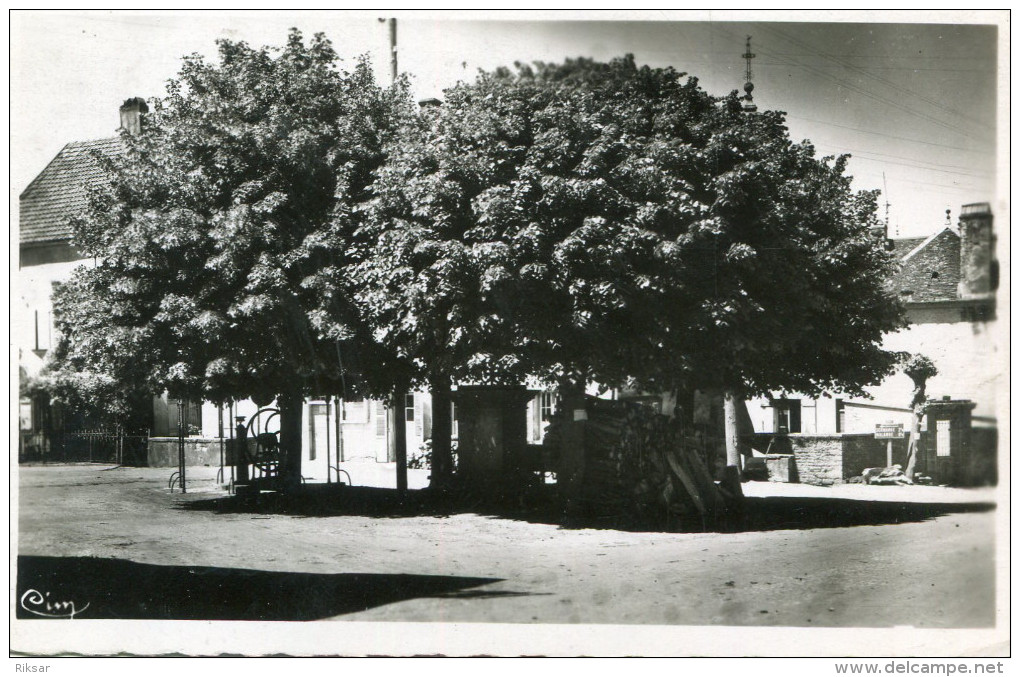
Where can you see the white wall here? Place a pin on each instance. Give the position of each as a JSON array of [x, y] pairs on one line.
[[968, 356], [971, 366], [34, 295]]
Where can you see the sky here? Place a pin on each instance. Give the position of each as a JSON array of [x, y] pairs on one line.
[[915, 104]]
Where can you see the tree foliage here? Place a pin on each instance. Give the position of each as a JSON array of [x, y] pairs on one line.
[[223, 237], [604, 222]]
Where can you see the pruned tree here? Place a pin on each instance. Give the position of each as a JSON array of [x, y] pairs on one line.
[[919, 368], [223, 237], [612, 223]]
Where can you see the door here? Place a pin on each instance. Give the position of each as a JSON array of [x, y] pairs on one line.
[[318, 430]]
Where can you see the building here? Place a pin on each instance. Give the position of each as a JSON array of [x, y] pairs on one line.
[[947, 283], [47, 258]]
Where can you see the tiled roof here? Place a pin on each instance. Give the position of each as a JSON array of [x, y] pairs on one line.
[[930, 268], [58, 193], [903, 246]]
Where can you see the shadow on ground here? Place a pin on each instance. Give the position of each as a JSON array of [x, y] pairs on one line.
[[545, 507], [116, 588]]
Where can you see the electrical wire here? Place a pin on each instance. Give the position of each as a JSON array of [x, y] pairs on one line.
[[878, 78], [872, 95]]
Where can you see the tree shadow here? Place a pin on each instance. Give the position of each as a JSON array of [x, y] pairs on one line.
[[546, 506], [794, 512], [121, 589]]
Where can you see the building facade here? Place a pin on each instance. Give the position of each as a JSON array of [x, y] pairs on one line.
[[947, 283]]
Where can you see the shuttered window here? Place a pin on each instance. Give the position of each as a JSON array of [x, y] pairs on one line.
[[419, 419], [942, 438], [379, 410]]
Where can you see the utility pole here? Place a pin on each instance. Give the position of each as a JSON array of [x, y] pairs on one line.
[[885, 193], [396, 420], [393, 48]]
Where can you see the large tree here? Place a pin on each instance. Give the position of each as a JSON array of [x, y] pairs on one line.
[[223, 237], [613, 223]]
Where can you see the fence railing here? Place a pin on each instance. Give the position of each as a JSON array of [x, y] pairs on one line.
[[81, 446]]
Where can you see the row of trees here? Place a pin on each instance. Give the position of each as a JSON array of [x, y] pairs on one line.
[[282, 227]]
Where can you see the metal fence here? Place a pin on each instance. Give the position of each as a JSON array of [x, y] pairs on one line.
[[81, 446]]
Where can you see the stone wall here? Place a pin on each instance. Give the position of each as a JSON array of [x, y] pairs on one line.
[[819, 459], [197, 451], [864, 451], [827, 459]]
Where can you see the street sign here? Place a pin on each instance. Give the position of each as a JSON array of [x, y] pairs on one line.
[[889, 431]]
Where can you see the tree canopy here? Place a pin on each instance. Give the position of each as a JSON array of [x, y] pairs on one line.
[[280, 223], [613, 223], [223, 237]]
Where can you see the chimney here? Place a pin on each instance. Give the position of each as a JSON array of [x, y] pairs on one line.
[[978, 268], [131, 113]]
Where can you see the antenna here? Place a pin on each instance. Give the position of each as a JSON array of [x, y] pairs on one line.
[[885, 193], [748, 85]]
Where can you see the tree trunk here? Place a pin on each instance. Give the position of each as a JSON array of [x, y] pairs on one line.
[[731, 473], [917, 405], [398, 435], [730, 404], [913, 447], [291, 407], [442, 431]]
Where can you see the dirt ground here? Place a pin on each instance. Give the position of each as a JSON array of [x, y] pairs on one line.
[[808, 557]]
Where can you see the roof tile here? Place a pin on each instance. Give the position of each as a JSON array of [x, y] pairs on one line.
[[59, 192], [932, 273]]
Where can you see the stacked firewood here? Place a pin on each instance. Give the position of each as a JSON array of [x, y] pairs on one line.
[[638, 463]]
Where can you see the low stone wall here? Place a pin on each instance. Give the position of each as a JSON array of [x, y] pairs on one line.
[[819, 459], [827, 459], [862, 451], [162, 452]]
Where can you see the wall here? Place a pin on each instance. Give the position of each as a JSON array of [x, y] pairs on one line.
[[41, 254], [163, 451], [829, 459], [817, 416], [971, 366], [819, 460], [864, 451], [33, 293]]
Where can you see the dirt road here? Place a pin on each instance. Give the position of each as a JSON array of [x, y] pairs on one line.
[[813, 558]]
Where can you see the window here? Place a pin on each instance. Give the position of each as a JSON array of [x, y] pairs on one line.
[[380, 418], [787, 415], [840, 416], [453, 419], [547, 406], [188, 412], [25, 414], [409, 407], [942, 438]]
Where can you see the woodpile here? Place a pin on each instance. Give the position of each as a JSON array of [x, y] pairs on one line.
[[639, 465]]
